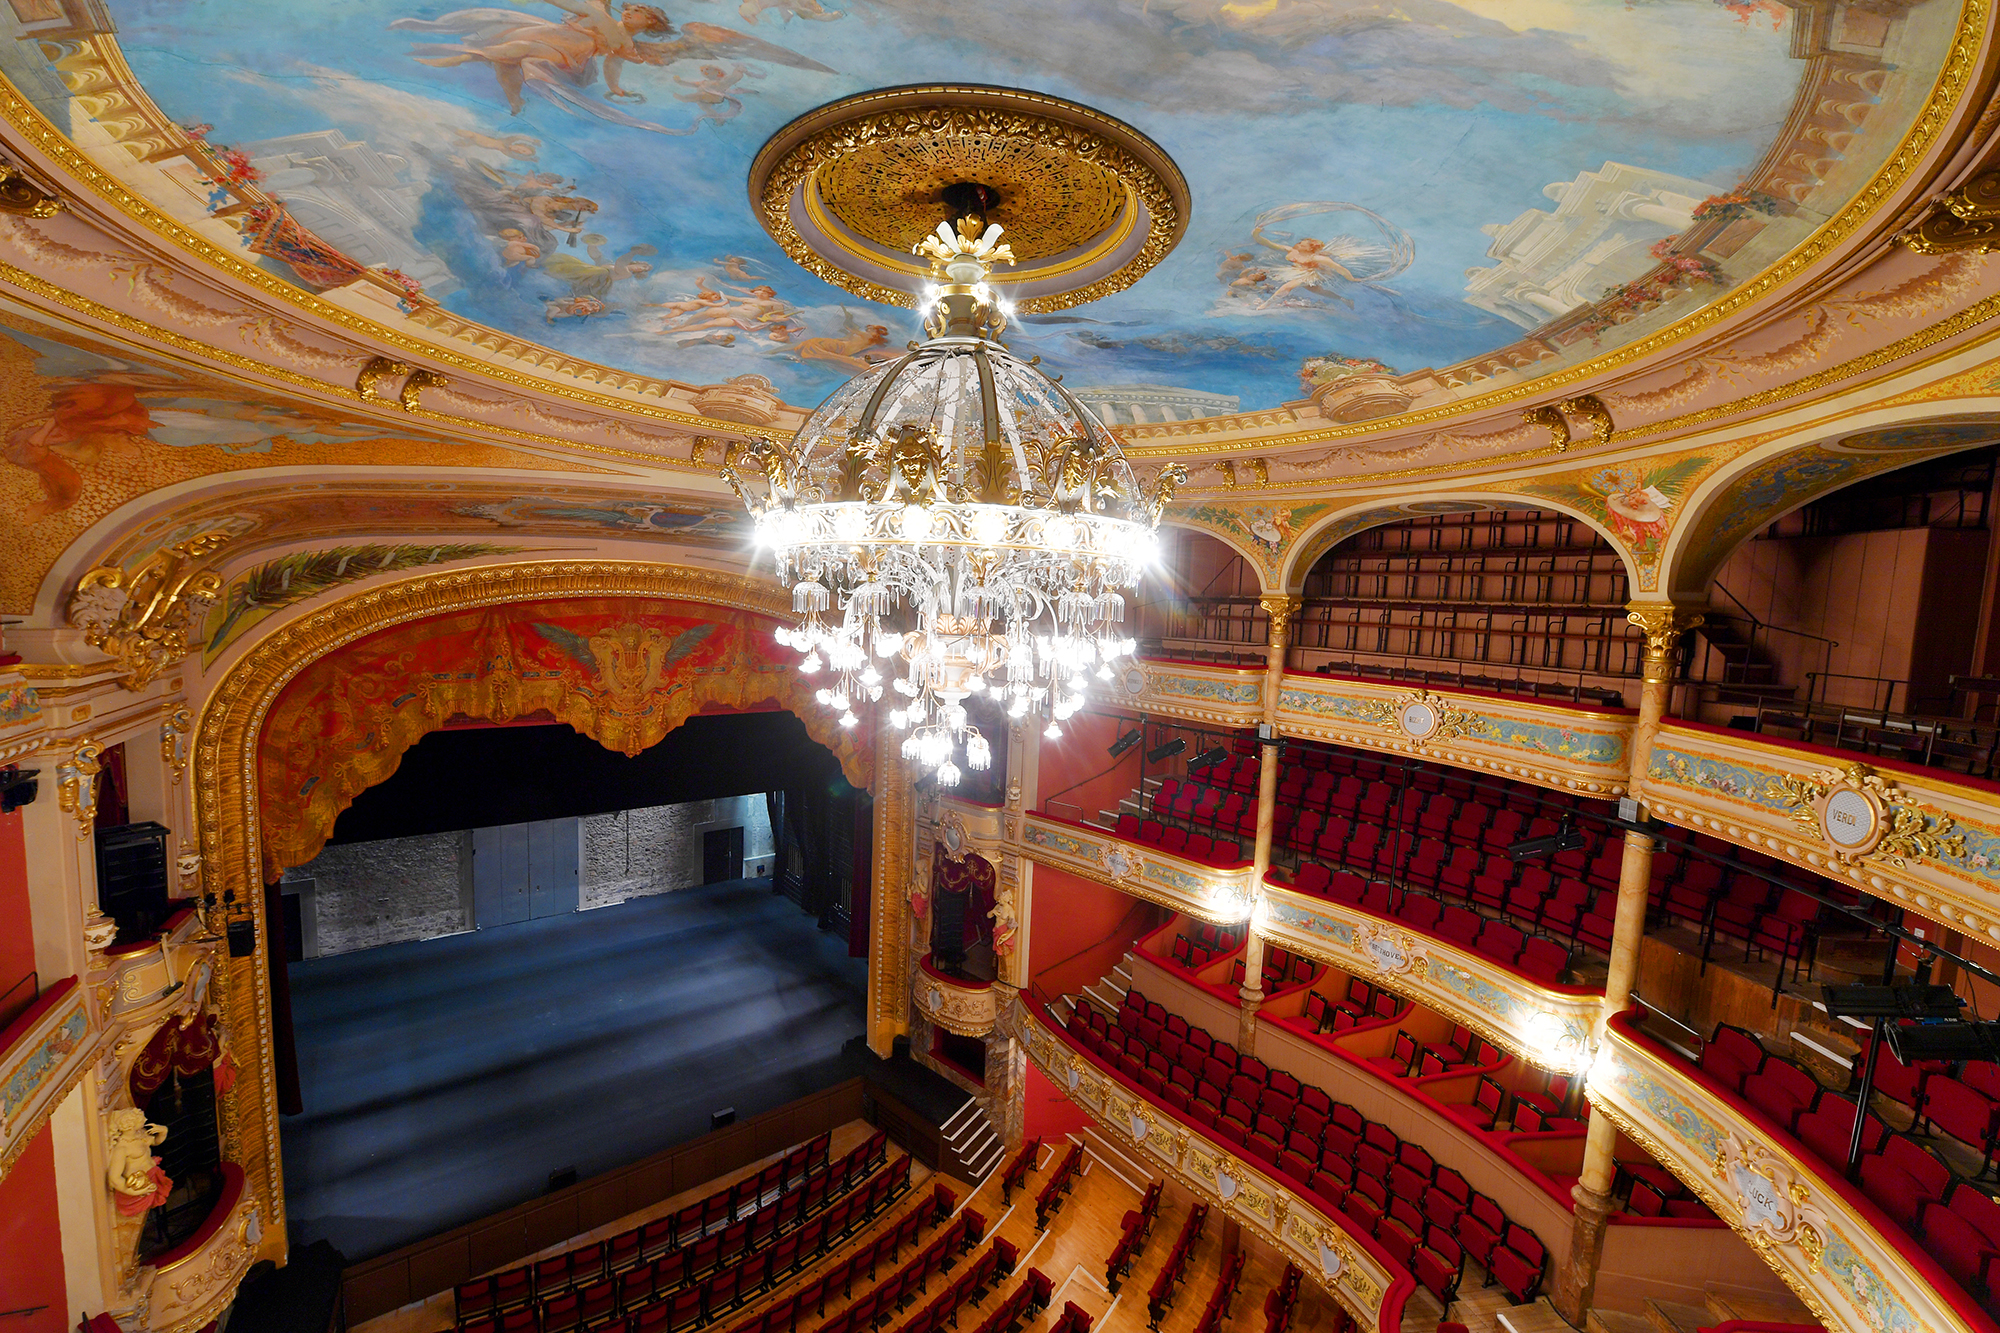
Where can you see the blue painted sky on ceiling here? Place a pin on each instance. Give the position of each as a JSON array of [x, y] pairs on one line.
[[1395, 132]]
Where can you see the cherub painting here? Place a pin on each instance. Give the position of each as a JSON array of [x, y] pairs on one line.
[[561, 59], [1282, 271]]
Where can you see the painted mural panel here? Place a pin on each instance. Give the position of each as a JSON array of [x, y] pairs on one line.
[[1378, 189], [83, 431]]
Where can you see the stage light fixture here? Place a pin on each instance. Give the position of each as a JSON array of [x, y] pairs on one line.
[[1944, 1041], [1564, 839], [1166, 751], [1126, 742], [1865, 1001], [1208, 758]]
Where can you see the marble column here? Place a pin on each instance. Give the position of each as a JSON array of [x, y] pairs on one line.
[[1279, 611], [1576, 1283]]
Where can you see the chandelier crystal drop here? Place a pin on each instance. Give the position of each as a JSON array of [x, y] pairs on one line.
[[954, 524]]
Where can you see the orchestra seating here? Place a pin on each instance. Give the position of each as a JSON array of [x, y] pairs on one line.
[[694, 1266]]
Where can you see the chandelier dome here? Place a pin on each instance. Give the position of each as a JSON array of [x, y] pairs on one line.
[[960, 510]]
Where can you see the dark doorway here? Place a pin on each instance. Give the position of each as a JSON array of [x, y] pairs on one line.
[[722, 855], [295, 929]]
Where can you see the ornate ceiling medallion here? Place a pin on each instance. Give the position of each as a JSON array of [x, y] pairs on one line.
[[1089, 204]]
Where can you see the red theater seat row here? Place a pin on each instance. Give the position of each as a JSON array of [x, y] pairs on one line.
[[1167, 1283], [1390, 1189], [687, 1287], [1937, 1210]]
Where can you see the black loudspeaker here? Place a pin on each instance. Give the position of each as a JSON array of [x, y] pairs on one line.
[[726, 1116], [242, 939]]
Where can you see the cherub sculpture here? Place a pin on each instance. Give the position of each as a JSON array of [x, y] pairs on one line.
[[133, 1171]]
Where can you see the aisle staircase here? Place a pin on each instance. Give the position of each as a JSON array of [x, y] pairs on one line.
[[975, 1145]]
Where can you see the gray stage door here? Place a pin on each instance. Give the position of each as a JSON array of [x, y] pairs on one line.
[[522, 871]]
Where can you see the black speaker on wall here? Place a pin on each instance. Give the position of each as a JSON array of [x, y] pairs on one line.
[[242, 939]]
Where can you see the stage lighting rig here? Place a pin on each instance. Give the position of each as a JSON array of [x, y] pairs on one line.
[[1166, 751], [1564, 839], [1208, 758], [1126, 742]]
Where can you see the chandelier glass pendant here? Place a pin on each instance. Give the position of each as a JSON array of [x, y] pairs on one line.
[[954, 524]]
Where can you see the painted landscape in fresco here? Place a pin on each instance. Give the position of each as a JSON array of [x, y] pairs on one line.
[[1394, 186]]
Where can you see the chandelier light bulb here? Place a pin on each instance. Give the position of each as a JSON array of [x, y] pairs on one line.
[[811, 663], [1052, 732]]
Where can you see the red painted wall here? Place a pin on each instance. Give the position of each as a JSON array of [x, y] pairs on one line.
[[31, 1266], [1082, 756], [17, 928], [1048, 1114], [1079, 929]]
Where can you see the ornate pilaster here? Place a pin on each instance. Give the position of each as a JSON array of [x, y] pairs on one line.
[[1663, 623]]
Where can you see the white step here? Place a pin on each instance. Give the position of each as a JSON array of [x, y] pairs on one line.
[[970, 1104]]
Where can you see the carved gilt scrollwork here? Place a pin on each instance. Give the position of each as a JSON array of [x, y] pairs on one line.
[[143, 618]]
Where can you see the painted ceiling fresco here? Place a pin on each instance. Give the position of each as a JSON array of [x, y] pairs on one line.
[[1376, 187], [85, 429]]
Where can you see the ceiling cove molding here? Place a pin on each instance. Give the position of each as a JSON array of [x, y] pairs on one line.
[[1923, 149]]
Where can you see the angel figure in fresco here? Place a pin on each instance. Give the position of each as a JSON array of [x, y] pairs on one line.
[[715, 92], [597, 277], [1312, 271], [756, 309], [858, 348], [517, 146], [561, 59], [85, 422]]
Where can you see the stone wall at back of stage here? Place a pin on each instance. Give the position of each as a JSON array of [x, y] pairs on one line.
[[634, 853], [366, 894], [362, 895]]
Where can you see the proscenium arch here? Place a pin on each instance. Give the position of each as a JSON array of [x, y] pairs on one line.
[[227, 804], [1377, 511], [1761, 487]]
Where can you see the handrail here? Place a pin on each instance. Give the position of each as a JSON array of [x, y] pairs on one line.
[[1816, 680], [1755, 620]]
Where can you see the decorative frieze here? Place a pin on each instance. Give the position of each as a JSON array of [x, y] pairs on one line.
[[1213, 893], [48, 1049], [1549, 1027], [1571, 749], [1219, 696], [1919, 837], [1341, 1263], [1828, 1243]]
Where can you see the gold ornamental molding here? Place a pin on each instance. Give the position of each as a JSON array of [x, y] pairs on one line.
[[228, 808], [1422, 717], [1929, 843], [1967, 219], [141, 618], [1830, 1245], [1075, 185]]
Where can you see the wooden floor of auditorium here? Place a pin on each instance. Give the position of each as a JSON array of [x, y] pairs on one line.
[[1071, 1253]]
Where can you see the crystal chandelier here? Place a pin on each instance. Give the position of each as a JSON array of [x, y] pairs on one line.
[[955, 524]]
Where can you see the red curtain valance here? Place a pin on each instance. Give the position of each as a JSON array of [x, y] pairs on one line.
[[181, 1048]]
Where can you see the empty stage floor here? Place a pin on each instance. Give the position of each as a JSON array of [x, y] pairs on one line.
[[444, 1080]]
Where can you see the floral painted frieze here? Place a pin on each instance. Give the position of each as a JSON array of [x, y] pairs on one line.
[[1575, 749], [1211, 892], [1229, 697], [1919, 837], [1547, 1027], [1324, 1247], [50, 1048], [1839, 1259]]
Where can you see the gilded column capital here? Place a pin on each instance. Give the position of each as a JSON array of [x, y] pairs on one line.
[[1280, 608], [1663, 623]]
